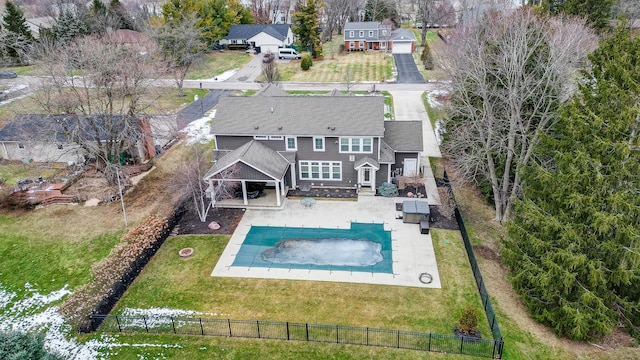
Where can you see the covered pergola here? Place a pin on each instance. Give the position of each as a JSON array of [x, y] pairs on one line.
[[251, 162]]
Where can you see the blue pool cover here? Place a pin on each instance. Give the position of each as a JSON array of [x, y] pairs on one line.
[[263, 243]]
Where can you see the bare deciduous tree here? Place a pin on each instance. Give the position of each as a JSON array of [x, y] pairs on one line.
[[336, 12], [189, 182], [431, 12], [270, 70], [509, 75], [107, 85], [182, 46]]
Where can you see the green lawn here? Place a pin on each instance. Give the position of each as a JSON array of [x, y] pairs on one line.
[[37, 248], [169, 281], [203, 347], [217, 62]]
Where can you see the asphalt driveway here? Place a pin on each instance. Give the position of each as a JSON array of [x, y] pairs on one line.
[[197, 109], [407, 70]]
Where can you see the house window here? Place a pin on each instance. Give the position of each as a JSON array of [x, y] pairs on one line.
[[370, 33], [260, 137], [361, 33], [356, 145], [361, 45], [20, 145], [233, 41], [351, 45], [320, 170], [276, 137], [352, 34], [384, 32], [318, 144], [383, 45], [292, 143]]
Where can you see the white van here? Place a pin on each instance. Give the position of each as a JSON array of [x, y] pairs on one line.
[[287, 53]]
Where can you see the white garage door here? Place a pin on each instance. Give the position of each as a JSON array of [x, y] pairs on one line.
[[401, 48], [265, 48]]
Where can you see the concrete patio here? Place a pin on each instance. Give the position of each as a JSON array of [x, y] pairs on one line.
[[412, 252]]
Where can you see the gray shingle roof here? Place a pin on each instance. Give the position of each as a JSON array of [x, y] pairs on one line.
[[256, 156], [272, 90], [364, 25], [300, 116], [402, 35], [246, 31], [366, 160], [403, 135], [44, 127], [386, 153]]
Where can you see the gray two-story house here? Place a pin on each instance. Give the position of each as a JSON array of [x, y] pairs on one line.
[[331, 141]]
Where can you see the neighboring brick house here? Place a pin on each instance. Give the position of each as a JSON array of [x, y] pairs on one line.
[[372, 35], [266, 37], [311, 141]]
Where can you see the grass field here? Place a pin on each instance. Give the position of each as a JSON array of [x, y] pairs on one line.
[[168, 281], [217, 62]]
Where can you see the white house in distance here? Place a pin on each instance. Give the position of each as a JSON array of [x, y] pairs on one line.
[[266, 37]]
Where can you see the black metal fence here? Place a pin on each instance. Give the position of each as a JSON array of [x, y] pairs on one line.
[[484, 295], [337, 334]]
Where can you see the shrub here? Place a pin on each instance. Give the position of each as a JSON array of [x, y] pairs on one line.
[[110, 270], [427, 57], [15, 345], [306, 62], [468, 322], [388, 190]]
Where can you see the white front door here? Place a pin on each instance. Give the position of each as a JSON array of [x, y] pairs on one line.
[[366, 177], [410, 167]]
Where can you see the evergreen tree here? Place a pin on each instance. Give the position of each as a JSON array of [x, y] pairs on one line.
[[16, 345], [16, 32], [68, 27], [597, 12], [307, 27], [427, 57], [574, 247], [119, 12]]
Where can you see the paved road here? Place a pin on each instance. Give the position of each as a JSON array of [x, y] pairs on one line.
[[407, 70], [197, 109]]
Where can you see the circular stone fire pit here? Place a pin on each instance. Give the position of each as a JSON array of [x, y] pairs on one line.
[[186, 252]]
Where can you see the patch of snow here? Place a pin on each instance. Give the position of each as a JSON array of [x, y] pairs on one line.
[[198, 131], [35, 314], [224, 76], [431, 98]]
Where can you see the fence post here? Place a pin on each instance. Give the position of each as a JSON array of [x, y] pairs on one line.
[[174, 325], [367, 335], [337, 340], [288, 331], [258, 325], [145, 323], [306, 327], [118, 322], [429, 348], [461, 343], [229, 323], [493, 354], [398, 331], [201, 327]]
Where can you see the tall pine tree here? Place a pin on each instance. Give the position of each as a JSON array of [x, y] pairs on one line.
[[574, 247], [307, 27], [17, 36]]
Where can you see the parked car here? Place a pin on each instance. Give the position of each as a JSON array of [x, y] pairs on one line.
[[8, 75]]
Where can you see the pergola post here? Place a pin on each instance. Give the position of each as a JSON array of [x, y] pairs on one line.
[[277, 192], [293, 176], [244, 192]]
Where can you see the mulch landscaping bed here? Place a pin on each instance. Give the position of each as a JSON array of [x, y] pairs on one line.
[[331, 193], [228, 219], [413, 190]]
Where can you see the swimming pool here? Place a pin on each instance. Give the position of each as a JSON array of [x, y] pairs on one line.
[[263, 243]]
